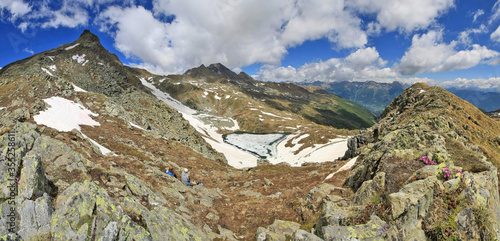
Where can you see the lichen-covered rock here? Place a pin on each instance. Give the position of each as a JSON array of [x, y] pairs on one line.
[[164, 224], [110, 232], [35, 218], [130, 230], [410, 205], [482, 192], [331, 214], [33, 183], [81, 204], [58, 154], [369, 189], [373, 230], [354, 145], [139, 189], [302, 235], [279, 230]]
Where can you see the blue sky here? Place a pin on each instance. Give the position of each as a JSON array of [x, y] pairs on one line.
[[445, 42]]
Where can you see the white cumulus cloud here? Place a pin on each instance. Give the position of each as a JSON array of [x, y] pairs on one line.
[[477, 13], [428, 53], [363, 64], [403, 15], [16, 8], [491, 84], [235, 33], [495, 36], [464, 36]]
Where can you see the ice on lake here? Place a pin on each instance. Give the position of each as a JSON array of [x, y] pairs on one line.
[[262, 145]]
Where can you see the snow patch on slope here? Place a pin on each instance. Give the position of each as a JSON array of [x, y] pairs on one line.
[[71, 47], [78, 89], [347, 166], [136, 126], [330, 151], [46, 71], [104, 150], [80, 59], [1, 108], [65, 115]]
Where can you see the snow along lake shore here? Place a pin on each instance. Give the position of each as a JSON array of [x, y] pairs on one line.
[[240, 158]]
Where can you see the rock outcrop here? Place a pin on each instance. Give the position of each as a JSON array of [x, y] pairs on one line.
[[84, 210], [452, 197]]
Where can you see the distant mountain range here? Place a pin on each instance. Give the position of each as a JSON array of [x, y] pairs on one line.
[[486, 101], [376, 96], [372, 95]]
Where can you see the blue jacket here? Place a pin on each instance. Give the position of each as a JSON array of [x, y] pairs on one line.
[[171, 174]]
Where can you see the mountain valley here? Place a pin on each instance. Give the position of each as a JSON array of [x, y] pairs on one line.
[[86, 142]]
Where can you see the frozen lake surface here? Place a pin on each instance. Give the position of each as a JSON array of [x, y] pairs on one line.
[[261, 145]]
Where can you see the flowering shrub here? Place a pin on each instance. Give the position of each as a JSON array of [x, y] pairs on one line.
[[446, 173], [427, 161]]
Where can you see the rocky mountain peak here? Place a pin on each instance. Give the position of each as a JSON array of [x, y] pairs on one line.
[[223, 71], [88, 36]]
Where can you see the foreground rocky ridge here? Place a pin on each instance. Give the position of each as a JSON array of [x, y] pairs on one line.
[[398, 197]]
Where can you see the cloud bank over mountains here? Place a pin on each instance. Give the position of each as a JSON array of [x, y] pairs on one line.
[[171, 36]]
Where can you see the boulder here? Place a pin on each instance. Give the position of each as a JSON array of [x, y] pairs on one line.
[[164, 224], [279, 230], [82, 208], [319, 192], [35, 218], [375, 229], [369, 189], [139, 189], [331, 214], [33, 183], [410, 205], [354, 145], [56, 154], [302, 235], [130, 230]]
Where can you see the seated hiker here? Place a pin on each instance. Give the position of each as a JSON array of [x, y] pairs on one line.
[[185, 177], [170, 171], [187, 180]]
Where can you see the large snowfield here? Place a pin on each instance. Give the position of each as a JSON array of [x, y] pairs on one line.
[[239, 158], [65, 115]]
